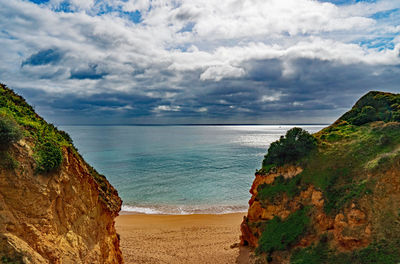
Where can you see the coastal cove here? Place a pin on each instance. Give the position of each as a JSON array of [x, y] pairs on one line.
[[179, 169]]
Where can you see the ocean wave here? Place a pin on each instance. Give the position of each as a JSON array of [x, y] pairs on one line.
[[182, 210]]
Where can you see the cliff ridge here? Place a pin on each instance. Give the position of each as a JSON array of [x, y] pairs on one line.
[[54, 207], [334, 196]]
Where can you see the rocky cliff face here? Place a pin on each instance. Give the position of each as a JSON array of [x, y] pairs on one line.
[[348, 187], [65, 215]]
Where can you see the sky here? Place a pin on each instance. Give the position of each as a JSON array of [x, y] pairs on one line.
[[198, 61]]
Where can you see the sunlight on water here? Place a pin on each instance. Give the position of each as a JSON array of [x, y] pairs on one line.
[[178, 169]]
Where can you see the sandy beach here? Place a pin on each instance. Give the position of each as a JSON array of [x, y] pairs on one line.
[[179, 238]]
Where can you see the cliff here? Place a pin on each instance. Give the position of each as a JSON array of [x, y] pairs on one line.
[[331, 197], [54, 207]]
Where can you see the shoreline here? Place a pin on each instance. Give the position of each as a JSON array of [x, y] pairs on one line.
[[123, 213], [183, 209], [190, 238]]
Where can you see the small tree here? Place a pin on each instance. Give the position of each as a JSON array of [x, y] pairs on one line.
[[9, 132], [289, 148], [48, 157]]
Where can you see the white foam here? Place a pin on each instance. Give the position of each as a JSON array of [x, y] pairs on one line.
[[139, 210], [182, 210]]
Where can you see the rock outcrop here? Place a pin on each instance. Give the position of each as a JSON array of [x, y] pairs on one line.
[[348, 185], [65, 215]]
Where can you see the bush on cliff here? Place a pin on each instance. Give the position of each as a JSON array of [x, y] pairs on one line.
[[375, 253], [9, 132], [296, 144], [278, 187], [48, 157], [280, 234], [374, 106]]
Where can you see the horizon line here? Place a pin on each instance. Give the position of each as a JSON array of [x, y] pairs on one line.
[[213, 124]]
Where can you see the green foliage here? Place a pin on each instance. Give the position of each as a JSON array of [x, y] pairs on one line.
[[46, 139], [279, 235], [296, 144], [339, 168], [318, 254], [278, 187], [338, 196], [374, 106], [9, 132], [48, 157], [16, 108], [382, 252], [266, 169]]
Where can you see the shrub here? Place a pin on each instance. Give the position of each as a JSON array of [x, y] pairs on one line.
[[338, 197], [278, 234], [278, 187], [311, 255], [374, 106], [9, 132], [367, 114], [48, 157], [296, 144], [377, 252]]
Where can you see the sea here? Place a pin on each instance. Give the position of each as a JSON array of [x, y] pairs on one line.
[[179, 169]]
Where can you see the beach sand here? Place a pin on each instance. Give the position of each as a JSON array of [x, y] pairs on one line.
[[179, 238]]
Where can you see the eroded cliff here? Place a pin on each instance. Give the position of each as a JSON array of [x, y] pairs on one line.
[[52, 210], [337, 202]]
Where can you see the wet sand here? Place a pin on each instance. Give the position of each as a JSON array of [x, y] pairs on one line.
[[179, 238]]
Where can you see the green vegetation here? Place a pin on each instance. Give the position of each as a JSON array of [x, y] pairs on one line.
[[345, 161], [374, 106], [339, 168], [9, 132], [338, 197], [315, 254], [280, 234], [45, 139], [278, 187], [383, 252], [296, 144], [48, 157]]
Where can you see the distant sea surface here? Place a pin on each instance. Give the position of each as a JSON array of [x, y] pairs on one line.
[[178, 169]]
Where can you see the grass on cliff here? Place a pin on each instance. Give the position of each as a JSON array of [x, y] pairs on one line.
[[48, 141], [382, 252], [280, 186], [345, 153], [340, 167], [280, 234], [364, 141]]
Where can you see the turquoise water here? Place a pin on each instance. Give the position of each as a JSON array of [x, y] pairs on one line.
[[178, 169]]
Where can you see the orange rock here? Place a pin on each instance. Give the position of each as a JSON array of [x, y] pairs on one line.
[[255, 212], [60, 217], [247, 238]]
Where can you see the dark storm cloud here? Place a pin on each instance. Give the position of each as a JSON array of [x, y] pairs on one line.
[[89, 72], [43, 57], [199, 61]]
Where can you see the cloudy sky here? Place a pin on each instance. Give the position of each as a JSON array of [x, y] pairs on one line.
[[198, 61]]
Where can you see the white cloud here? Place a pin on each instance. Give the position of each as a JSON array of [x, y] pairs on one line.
[[217, 73], [167, 108], [271, 97], [202, 109], [183, 47]]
